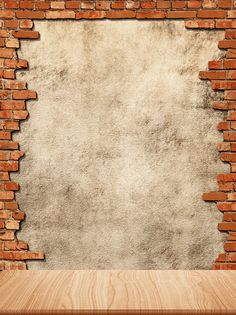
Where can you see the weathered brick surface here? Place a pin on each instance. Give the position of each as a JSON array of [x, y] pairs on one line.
[[16, 24]]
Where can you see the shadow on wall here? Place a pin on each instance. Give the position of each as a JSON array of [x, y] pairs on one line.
[[120, 146]]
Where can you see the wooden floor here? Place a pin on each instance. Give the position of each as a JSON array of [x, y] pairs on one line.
[[117, 292]]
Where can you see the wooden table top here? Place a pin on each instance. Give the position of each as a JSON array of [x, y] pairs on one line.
[[117, 292]]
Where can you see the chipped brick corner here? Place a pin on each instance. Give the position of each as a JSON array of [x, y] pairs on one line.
[[16, 24]]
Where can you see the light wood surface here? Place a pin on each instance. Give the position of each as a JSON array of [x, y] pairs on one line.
[[114, 292]]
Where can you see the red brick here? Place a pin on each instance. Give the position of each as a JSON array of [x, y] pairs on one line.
[[20, 114], [229, 135], [150, 15], [212, 75], [60, 14], [11, 125], [225, 3], [90, 15], [228, 216], [11, 205], [4, 94], [147, 4], [6, 53], [24, 94], [230, 95], [26, 34], [8, 105], [5, 135], [230, 34], [163, 4], [178, 4], [11, 186], [87, 5], [230, 64], [21, 255], [231, 74], [6, 195], [227, 44], [4, 155], [18, 215], [232, 196], [231, 115], [120, 14], [15, 245], [8, 74], [181, 14], [194, 4], [14, 85], [214, 196], [134, 4], [11, 4], [12, 43], [233, 167], [209, 4], [211, 14], [225, 266], [232, 14], [225, 24], [118, 4], [228, 157], [233, 146], [226, 177], [4, 215], [12, 225], [223, 146], [4, 33], [8, 166], [26, 24], [231, 53], [103, 5], [42, 5], [232, 257], [11, 24], [200, 24], [7, 14], [223, 85], [226, 186], [4, 176], [26, 4], [226, 226], [226, 206], [224, 105], [15, 266], [30, 14], [16, 64], [7, 235], [8, 145], [59, 5], [16, 155], [215, 64], [73, 4], [231, 236]]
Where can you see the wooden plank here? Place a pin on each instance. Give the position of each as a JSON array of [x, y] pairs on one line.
[[117, 292]]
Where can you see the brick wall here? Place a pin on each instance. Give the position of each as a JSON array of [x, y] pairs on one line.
[[16, 24]]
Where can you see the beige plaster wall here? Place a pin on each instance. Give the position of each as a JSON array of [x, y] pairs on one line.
[[120, 146]]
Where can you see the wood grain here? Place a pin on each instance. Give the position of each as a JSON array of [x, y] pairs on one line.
[[117, 292]]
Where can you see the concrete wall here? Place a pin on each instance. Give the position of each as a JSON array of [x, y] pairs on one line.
[[120, 146]]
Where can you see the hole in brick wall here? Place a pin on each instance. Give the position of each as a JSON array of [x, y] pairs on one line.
[[120, 146]]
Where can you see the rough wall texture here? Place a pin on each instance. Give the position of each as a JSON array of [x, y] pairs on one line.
[[16, 24], [115, 162]]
